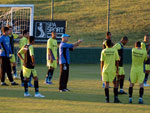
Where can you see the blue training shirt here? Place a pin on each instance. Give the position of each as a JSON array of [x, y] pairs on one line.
[[64, 56], [5, 46]]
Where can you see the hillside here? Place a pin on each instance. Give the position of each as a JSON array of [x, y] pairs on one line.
[[87, 19]]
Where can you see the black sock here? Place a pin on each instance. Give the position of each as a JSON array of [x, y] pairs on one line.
[[107, 93], [146, 77], [121, 83], [21, 76], [141, 92], [14, 69], [130, 91], [26, 86], [50, 74], [36, 86], [115, 92]]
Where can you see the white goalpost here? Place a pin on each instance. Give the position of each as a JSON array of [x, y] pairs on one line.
[[19, 16]]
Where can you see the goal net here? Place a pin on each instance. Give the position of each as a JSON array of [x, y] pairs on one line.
[[20, 17]]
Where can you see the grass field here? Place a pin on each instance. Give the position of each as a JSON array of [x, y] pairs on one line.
[[87, 19], [86, 96]]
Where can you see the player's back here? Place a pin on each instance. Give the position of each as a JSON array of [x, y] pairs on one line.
[[23, 41], [109, 56], [138, 57]]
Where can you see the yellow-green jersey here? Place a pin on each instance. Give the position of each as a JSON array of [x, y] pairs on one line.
[[28, 51], [144, 45], [138, 58], [109, 56], [52, 45], [23, 42]]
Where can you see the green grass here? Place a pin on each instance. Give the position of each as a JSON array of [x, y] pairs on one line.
[[86, 96], [87, 18]]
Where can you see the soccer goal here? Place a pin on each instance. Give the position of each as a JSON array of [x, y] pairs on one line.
[[20, 17]]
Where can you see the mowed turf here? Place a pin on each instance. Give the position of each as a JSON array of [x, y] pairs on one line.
[[86, 96], [87, 19]]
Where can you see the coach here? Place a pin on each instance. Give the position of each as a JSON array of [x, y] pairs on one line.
[[64, 58]]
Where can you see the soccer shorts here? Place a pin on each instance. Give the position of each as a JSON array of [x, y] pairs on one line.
[[12, 59], [147, 67], [108, 76], [121, 71], [137, 76], [54, 64], [27, 72]]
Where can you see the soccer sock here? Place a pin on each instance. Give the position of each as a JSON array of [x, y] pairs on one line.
[[130, 91], [121, 83], [115, 92], [107, 93], [14, 69], [21, 75], [36, 86], [141, 92], [50, 74], [26, 86], [30, 79], [146, 78]]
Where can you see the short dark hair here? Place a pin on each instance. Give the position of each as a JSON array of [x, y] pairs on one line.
[[108, 33], [25, 32], [9, 26], [31, 38], [108, 43], [4, 29], [138, 44], [124, 38]]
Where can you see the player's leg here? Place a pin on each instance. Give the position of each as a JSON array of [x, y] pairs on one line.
[[116, 99], [49, 75], [30, 80], [147, 71], [8, 71], [36, 84], [130, 91], [67, 77], [21, 73], [13, 62], [141, 92], [107, 91]]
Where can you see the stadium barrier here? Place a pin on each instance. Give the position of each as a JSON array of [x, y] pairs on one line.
[[80, 56]]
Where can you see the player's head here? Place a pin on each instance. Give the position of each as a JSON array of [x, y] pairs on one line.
[[138, 44], [10, 29], [31, 39], [124, 40], [53, 34], [5, 30], [109, 43], [65, 37], [26, 33], [108, 35], [146, 38]]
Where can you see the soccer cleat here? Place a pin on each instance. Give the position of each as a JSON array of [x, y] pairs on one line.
[[146, 85], [130, 100], [116, 100], [122, 92], [141, 101], [30, 85], [27, 94], [48, 82], [16, 76], [4, 84], [107, 100], [39, 95], [67, 90], [14, 83], [63, 90]]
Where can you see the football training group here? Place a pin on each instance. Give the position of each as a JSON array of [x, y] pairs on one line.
[[111, 59]]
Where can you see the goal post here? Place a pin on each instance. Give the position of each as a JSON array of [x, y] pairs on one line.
[[19, 16]]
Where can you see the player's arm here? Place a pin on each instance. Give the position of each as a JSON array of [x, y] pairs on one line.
[[102, 65], [117, 67], [102, 61], [117, 61], [77, 43], [50, 55], [32, 55], [19, 53]]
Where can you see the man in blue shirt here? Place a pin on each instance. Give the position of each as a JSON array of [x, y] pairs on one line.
[[64, 61], [5, 58]]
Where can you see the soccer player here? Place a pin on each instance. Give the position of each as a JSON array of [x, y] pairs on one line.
[[64, 61], [120, 47], [145, 46], [51, 57], [5, 66], [109, 69], [28, 67], [108, 37], [137, 73], [12, 59], [22, 43]]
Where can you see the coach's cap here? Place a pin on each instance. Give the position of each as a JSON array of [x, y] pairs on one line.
[[65, 35]]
